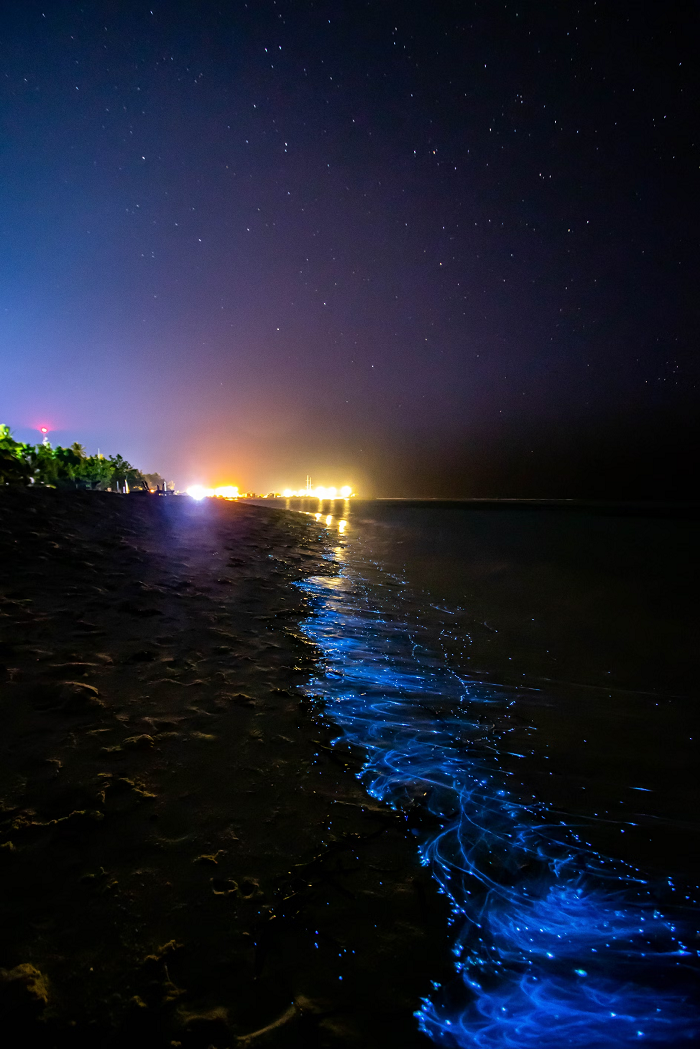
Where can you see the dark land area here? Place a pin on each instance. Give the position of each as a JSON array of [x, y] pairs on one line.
[[184, 859]]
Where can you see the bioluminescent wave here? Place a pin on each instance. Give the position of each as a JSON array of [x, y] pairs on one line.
[[555, 945]]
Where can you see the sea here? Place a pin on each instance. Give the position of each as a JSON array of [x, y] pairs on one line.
[[523, 675]]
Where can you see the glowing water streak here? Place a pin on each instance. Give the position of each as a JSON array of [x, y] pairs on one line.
[[556, 945]]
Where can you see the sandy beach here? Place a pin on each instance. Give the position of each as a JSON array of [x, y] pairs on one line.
[[184, 859]]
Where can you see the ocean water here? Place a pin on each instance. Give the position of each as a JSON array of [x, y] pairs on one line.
[[522, 678]]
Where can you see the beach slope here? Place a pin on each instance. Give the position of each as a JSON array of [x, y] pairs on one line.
[[184, 858]]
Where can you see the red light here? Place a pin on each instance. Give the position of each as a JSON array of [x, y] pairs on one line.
[[44, 430]]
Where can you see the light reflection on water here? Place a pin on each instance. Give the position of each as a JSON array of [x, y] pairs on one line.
[[555, 944]]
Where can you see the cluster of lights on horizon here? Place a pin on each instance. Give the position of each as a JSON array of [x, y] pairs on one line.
[[198, 491], [227, 491], [319, 493]]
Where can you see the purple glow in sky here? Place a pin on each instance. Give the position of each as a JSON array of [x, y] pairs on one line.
[[423, 249]]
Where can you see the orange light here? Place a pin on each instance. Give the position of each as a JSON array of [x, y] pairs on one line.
[[318, 493], [228, 491]]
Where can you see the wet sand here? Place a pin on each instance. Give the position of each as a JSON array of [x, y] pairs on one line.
[[184, 859]]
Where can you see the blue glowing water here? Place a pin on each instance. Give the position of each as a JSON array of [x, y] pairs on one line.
[[555, 944]]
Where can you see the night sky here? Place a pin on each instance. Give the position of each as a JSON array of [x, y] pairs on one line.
[[424, 248]]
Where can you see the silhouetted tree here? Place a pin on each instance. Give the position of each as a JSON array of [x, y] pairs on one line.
[[59, 467]]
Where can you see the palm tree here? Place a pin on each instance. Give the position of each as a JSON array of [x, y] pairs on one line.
[[63, 467]]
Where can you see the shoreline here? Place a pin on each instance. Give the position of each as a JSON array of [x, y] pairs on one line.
[[679, 509], [184, 858]]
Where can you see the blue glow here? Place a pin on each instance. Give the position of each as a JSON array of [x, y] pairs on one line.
[[555, 945]]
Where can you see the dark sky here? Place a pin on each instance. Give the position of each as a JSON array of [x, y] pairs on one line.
[[424, 248]]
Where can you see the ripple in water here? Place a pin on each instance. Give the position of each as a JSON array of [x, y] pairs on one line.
[[555, 944]]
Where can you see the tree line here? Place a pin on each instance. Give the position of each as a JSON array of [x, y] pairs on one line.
[[23, 464]]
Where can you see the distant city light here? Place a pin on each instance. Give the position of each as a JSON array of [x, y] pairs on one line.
[[318, 493], [196, 491]]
